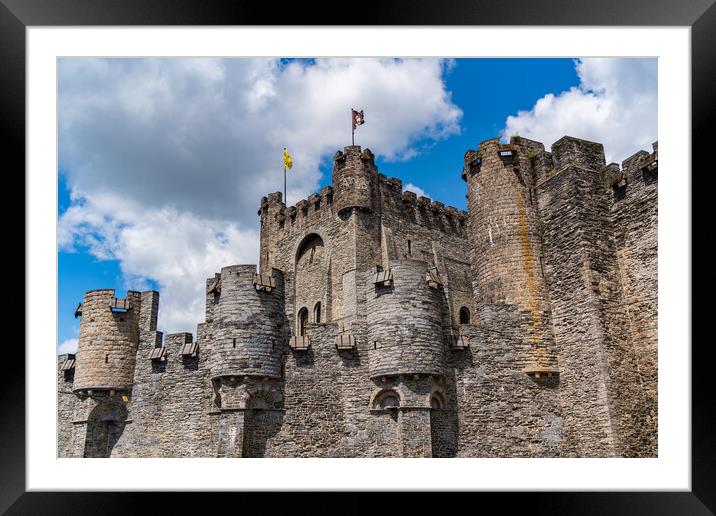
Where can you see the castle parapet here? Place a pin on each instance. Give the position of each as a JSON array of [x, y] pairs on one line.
[[574, 151]]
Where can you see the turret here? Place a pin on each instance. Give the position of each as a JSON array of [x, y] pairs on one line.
[[109, 335], [505, 235], [272, 221], [248, 314], [404, 314], [353, 174]]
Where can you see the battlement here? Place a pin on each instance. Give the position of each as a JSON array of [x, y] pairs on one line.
[[310, 210], [639, 168], [568, 153], [384, 194]]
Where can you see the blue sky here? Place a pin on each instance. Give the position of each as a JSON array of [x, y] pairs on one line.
[[163, 162]]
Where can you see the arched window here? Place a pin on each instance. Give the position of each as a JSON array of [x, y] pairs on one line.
[[464, 315], [437, 401], [302, 321], [317, 312], [386, 399]]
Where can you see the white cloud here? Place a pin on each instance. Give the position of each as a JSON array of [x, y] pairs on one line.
[[410, 187], [67, 346], [614, 104], [167, 159]]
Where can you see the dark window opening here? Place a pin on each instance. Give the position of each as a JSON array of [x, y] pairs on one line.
[[389, 400], [318, 205], [409, 249], [464, 315], [317, 312], [375, 344], [106, 359], [302, 321], [233, 342]]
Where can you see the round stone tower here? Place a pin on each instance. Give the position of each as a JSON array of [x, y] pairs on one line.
[[404, 320], [353, 173], [505, 237], [107, 347], [248, 333]]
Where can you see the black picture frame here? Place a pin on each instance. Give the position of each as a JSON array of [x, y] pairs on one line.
[[17, 15]]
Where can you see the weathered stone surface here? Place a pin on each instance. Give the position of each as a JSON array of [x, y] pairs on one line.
[[549, 284]]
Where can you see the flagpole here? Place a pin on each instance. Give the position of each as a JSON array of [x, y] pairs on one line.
[[285, 199]]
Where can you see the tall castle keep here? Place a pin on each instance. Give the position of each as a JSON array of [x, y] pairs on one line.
[[380, 324]]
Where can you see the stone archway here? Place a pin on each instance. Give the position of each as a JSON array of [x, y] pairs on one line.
[[105, 425], [311, 261]]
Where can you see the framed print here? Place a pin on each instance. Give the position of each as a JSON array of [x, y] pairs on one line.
[[346, 252]]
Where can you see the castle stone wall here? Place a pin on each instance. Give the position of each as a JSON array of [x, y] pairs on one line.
[[496, 409], [66, 401], [634, 213]]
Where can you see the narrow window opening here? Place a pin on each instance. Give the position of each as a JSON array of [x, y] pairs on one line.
[[464, 315], [302, 321], [106, 359], [233, 342], [375, 344], [409, 248], [317, 312]]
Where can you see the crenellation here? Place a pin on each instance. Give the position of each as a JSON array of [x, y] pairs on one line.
[[380, 323], [573, 151]]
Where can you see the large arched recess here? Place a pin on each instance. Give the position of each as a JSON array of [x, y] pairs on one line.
[[311, 274]]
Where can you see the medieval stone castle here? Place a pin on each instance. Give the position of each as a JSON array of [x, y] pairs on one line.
[[380, 324]]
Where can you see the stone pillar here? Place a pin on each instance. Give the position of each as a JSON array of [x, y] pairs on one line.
[[415, 434], [230, 439]]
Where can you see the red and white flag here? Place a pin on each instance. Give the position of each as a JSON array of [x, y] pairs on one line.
[[357, 118]]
